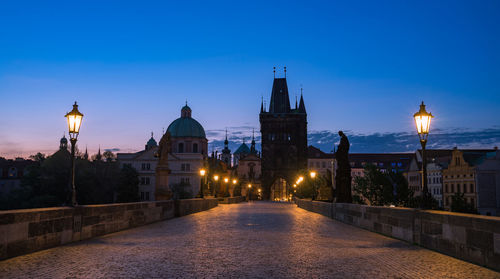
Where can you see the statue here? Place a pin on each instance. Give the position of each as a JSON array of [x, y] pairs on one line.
[[162, 190], [343, 173]]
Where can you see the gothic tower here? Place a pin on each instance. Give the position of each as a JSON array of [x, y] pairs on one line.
[[284, 141], [226, 153]]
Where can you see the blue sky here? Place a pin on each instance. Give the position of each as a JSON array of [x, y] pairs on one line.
[[364, 66]]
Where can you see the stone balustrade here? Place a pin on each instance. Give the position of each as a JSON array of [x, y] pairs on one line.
[[469, 237], [28, 230], [229, 200]]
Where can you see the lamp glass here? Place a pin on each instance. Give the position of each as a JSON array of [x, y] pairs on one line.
[[74, 118], [423, 122]]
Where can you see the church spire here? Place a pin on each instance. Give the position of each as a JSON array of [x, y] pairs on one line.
[[86, 155], [302, 107], [98, 157], [226, 142], [262, 105], [252, 147]]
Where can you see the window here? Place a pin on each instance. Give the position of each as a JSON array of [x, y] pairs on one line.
[[465, 188], [446, 188], [181, 148], [457, 161], [148, 181], [195, 148], [184, 180], [13, 172], [185, 167], [323, 165], [452, 188], [317, 164], [471, 188], [142, 196], [147, 196], [473, 202], [148, 166]]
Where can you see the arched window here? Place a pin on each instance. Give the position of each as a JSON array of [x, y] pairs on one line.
[[181, 148], [195, 148]]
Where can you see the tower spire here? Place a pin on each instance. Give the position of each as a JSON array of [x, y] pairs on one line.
[[252, 147], [302, 107], [285, 71], [262, 104]]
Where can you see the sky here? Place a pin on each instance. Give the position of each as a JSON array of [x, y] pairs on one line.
[[364, 67]]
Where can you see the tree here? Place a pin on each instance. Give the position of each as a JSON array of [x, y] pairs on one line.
[[179, 191], [459, 204], [38, 157], [109, 156], [306, 189], [128, 185], [378, 188]]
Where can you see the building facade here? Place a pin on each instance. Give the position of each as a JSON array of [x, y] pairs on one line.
[[284, 142], [187, 157], [144, 162]]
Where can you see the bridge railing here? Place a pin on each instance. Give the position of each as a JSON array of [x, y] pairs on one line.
[[28, 230], [469, 237]]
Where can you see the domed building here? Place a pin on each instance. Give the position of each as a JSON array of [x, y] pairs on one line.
[[189, 149], [187, 134]]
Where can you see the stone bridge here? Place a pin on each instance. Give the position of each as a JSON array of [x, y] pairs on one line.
[[255, 239]]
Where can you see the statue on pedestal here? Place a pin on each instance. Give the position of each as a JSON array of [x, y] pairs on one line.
[[162, 190], [343, 173]]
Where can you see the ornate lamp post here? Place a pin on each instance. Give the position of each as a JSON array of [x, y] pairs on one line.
[[203, 172], [423, 124], [234, 186], [313, 176], [216, 179], [74, 118]]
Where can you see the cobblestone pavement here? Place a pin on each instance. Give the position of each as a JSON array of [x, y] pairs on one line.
[[258, 240]]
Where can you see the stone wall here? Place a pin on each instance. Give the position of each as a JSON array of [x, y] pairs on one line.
[[229, 200], [473, 238], [28, 230]]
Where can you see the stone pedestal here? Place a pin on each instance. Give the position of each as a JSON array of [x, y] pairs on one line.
[[162, 190]]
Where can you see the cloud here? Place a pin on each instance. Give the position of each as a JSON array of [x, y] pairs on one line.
[[377, 142], [113, 149]]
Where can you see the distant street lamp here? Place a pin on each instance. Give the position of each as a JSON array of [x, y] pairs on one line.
[[216, 184], [249, 188], [202, 182], [313, 175], [423, 124], [74, 118]]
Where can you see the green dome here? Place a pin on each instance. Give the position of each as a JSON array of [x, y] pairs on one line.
[[186, 127]]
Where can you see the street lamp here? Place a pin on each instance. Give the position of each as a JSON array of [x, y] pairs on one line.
[[216, 184], [249, 187], [202, 174], [423, 124], [313, 175], [74, 118]]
